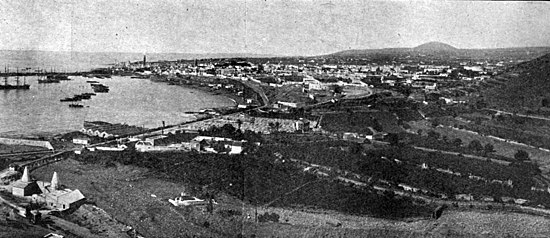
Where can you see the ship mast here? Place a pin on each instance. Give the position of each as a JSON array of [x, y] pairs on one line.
[[6, 76], [17, 76]]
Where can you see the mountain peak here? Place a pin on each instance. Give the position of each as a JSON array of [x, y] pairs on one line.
[[435, 46]]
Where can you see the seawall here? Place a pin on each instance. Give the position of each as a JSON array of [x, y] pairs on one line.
[[39, 143]]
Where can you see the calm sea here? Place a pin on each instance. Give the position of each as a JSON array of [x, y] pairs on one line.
[[140, 102]]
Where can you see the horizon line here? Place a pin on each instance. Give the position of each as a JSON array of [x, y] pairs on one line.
[[267, 54]]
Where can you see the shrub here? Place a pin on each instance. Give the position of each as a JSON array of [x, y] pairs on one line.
[[521, 155], [274, 217]]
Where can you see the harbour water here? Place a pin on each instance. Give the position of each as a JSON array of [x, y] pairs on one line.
[[139, 102]]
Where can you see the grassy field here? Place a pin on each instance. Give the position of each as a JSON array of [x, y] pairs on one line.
[[360, 121], [126, 192]]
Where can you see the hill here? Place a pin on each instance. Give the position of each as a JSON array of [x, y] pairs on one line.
[[444, 52], [435, 46], [522, 87]]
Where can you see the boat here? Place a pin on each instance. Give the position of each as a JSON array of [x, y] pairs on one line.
[[17, 86], [100, 88], [44, 79], [92, 81], [76, 105], [60, 77], [185, 200], [69, 100], [82, 96]]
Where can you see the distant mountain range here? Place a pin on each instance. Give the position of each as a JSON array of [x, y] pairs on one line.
[[442, 50]]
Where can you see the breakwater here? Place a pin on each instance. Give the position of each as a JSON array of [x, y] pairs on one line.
[[38, 143]]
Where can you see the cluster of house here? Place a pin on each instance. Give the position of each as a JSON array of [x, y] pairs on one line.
[[204, 144], [309, 73], [109, 130], [49, 194]]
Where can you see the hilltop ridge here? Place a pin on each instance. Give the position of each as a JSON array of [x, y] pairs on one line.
[[443, 51], [434, 46]]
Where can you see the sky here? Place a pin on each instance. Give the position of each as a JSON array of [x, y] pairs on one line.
[[305, 27]]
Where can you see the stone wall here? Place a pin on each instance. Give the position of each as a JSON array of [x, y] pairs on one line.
[[39, 143]]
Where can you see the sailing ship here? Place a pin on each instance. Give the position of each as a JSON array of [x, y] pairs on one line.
[[17, 86], [42, 78]]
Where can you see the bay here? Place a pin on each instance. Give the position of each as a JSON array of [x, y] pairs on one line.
[[139, 102]]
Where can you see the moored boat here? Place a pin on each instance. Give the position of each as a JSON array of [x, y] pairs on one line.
[[17, 86], [76, 105]]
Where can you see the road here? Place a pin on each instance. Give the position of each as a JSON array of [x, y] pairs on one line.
[[258, 89], [520, 115], [464, 155]]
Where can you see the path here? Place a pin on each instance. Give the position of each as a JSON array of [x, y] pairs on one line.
[[464, 155], [520, 115]]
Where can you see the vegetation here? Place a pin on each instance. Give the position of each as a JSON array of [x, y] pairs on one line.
[[383, 164], [257, 178]]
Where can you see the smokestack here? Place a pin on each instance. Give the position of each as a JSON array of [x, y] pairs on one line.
[[25, 177], [55, 181]]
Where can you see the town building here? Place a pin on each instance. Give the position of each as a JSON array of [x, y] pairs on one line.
[[25, 187], [60, 199]]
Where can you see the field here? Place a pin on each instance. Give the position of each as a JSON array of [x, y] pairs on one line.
[[360, 121], [127, 192], [501, 148], [137, 196]]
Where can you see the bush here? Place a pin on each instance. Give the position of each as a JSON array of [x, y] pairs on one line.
[[475, 145], [521, 155], [274, 217], [229, 213]]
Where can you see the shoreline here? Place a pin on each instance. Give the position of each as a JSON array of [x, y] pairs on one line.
[[231, 96]]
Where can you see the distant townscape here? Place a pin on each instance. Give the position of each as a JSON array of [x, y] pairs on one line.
[[341, 145]]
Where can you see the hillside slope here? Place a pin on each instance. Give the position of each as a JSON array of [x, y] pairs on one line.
[[525, 86]]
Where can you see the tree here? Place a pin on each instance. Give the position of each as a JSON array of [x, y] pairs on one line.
[[521, 155], [433, 134], [274, 126], [457, 142], [239, 123], [393, 138], [488, 148], [338, 89], [475, 145]]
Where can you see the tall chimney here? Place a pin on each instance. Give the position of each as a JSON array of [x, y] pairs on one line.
[[55, 181], [25, 177]]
